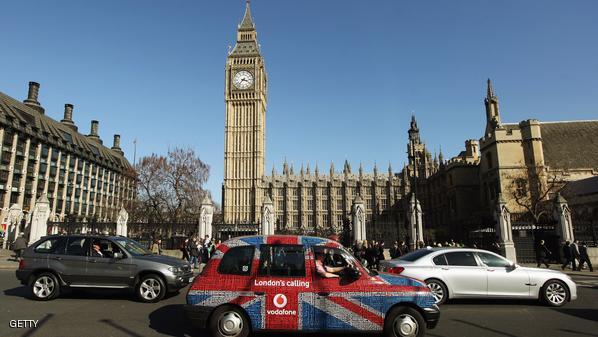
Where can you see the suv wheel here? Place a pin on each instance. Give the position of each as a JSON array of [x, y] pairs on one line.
[[44, 287], [228, 321], [151, 288], [404, 322]]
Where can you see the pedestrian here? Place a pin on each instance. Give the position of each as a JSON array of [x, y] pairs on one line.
[[584, 257], [394, 250], [156, 247], [568, 256], [381, 252], [204, 255], [184, 250], [193, 253], [542, 254], [575, 251], [19, 245], [403, 248]]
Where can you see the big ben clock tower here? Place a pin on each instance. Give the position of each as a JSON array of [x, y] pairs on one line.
[[245, 127]]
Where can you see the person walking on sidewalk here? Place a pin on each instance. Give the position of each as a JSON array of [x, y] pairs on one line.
[[542, 254], [584, 257], [568, 255], [19, 245]]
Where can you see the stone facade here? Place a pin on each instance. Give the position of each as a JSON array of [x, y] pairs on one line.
[[41, 156]]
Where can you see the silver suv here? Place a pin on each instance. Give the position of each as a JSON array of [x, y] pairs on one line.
[[94, 261]]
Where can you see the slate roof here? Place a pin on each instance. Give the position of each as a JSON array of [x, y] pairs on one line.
[[25, 119], [581, 187], [570, 144]]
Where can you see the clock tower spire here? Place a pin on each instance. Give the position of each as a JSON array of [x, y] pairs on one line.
[[245, 126]]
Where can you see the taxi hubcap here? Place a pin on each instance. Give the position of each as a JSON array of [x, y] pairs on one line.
[[230, 323], [405, 326]]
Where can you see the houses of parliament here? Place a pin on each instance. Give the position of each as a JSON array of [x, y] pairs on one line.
[[304, 199], [456, 195]]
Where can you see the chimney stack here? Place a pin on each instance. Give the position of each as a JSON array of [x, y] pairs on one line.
[[94, 131], [116, 145], [68, 117], [32, 95]]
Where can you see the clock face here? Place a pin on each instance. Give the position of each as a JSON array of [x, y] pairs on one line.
[[243, 79]]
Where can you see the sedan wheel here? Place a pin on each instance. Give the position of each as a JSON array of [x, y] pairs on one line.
[[438, 289], [555, 293], [45, 287]]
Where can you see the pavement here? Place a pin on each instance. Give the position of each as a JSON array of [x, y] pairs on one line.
[[7, 260]]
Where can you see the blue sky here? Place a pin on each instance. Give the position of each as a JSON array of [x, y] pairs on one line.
[[344, 76]]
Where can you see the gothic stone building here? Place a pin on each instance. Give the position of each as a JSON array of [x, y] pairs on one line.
[[308, 201], [39, 155], [463, 193]]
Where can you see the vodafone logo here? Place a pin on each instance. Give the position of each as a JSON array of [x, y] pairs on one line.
[[280, 301]]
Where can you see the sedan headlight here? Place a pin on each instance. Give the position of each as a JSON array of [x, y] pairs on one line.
[[175, 270]]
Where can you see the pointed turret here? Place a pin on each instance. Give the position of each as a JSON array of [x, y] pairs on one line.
[[375, 169], [317, 172], [360, 170], [273, 171], [440, 157], [307, 170], [492, 111], [302, 171], [246, 37], [247, 22], [331, 169], [285, 167], [413, 131], [389, 170], [346, 167], [292, 170]]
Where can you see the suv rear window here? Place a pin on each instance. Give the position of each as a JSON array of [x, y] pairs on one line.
[[282, 260], [51, 246], [237, 261]]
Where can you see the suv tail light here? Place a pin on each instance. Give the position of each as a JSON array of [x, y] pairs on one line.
[[22, 264], [395, 270]]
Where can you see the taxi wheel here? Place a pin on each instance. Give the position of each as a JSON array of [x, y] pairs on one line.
[[404, 322], [150, 288], [438, 289], [44, 287], [229, 321], [555, 293]]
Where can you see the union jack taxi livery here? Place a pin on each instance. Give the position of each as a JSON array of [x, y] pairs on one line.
[[303, 283]]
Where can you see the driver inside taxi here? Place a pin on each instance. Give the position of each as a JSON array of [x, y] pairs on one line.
[[325, 270]]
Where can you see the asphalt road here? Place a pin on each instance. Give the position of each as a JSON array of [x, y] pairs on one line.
[[114, 313]]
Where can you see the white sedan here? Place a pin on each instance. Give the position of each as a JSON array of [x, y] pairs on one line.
[[476, 273]]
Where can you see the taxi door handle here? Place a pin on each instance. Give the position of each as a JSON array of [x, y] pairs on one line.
[[259, 293], [322, 293]]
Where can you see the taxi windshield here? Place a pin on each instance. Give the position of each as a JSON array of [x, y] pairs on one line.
[[133, 247]]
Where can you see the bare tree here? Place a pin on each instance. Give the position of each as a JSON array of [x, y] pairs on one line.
[[532, 189], [170, 188]]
